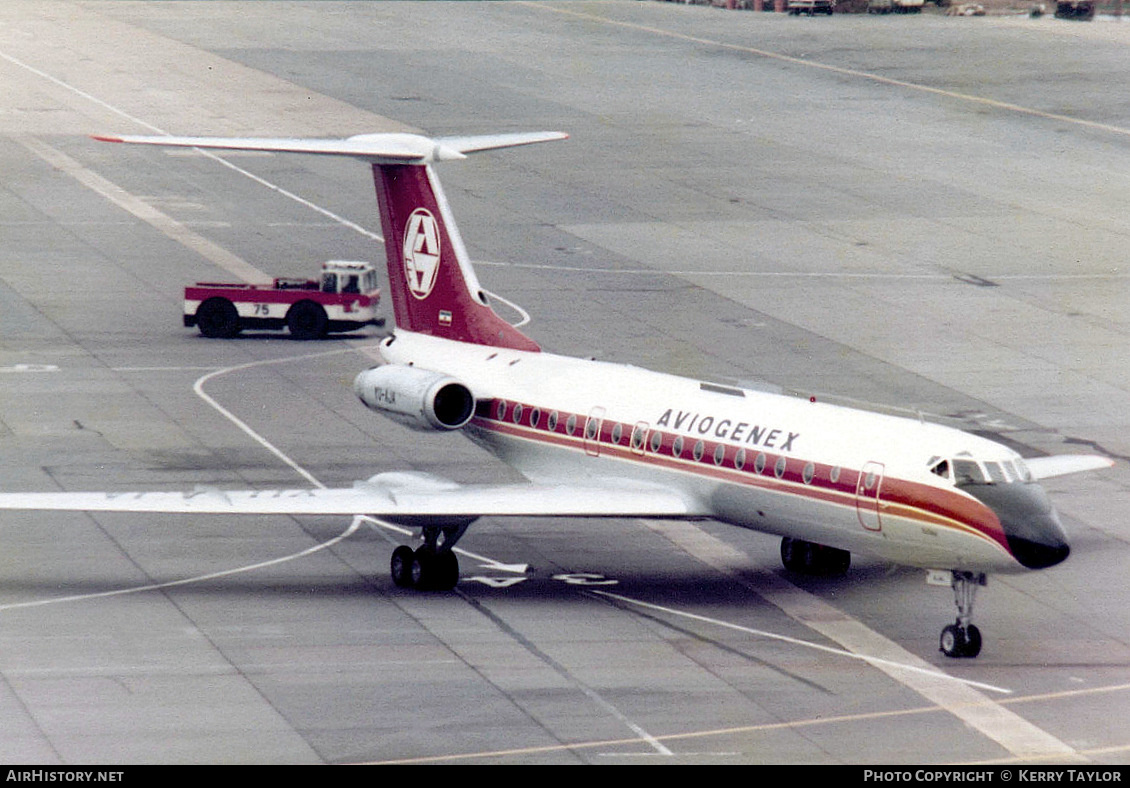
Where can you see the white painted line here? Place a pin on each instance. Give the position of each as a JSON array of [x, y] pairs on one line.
[[963, 700], [167, 225], [28, 368], [849, 72], [876, 661], [189, 580], [198, 387], [809, 275]]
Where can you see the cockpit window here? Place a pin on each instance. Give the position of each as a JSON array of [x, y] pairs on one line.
[[968, 472], [941, 469], [996, 475]]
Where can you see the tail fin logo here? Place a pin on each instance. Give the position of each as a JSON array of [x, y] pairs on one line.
[[421, 252]]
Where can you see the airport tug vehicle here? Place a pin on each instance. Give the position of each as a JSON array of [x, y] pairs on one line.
[[345, 298]]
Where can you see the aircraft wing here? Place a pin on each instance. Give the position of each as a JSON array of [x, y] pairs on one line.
[[389, 495], [1063, 464]]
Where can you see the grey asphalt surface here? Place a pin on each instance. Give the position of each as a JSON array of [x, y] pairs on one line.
[[917, 213]]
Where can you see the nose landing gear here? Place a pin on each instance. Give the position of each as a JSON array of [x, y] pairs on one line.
[[961, 638]]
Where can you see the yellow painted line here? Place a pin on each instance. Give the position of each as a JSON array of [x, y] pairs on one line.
[[770, 727]]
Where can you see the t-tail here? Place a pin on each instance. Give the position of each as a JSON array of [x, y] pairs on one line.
[[432, 285]]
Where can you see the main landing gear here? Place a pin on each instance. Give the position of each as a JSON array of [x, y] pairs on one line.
[[424, 568], [810, 558], [432, 566], [961, 638]]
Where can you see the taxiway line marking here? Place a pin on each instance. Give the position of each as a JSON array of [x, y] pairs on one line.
[[184, 581], [198, 387], [165, 223], [159, 220], [1008, 729], [837, 275], [1029, 741], [769, 727], [876, 661], [157, 130], [841, 70]]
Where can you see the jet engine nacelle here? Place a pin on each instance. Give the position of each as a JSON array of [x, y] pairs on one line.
[[418, 398]]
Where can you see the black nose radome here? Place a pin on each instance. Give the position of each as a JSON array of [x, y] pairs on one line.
[[1033, 530]]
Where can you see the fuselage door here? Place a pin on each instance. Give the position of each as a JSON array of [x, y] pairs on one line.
[[867, 496], [592, 431], [639, 437]]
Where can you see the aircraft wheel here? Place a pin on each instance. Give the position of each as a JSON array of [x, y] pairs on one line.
[[972, 641], [794, 554], [958, 642], [307, 320], [446, 571], [837, 561], [422, 567], [217, 319], [401, 566], [433, 570]]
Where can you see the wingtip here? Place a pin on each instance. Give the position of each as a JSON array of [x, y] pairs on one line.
[[106, 138]]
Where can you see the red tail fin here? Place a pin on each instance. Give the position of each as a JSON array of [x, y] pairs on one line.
[[432, 285]]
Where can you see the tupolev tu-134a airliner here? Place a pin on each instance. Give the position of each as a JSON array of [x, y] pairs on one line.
[[596, 439]]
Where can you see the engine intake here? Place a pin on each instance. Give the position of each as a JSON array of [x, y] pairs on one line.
[[418, 398]]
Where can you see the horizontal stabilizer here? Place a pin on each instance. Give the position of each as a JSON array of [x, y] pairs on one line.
[[1063, 464], [377, 148], [397, 496]]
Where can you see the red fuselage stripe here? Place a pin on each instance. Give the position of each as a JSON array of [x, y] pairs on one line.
[[637, 443]]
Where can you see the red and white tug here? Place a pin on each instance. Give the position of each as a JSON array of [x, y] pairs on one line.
[[344, 299]]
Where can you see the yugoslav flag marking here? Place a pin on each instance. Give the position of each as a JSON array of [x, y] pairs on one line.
[[421, 252]]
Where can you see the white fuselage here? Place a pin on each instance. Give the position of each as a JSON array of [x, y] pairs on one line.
[[848, 478]]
